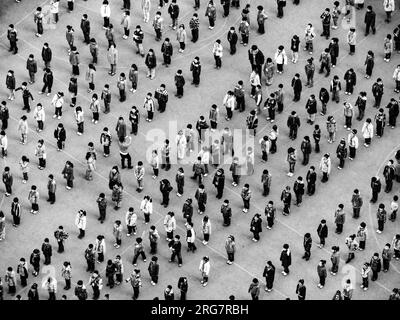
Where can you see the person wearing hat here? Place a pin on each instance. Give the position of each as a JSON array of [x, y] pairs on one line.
[[204, 268]]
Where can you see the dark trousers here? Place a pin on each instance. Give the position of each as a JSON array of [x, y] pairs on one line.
[[46, 86], [195, 35], [196, 78], [42, 162], [165, 198], [183, 295], [47, 260], [365, 282], [231, 256], [122, 95], [127, 157], [178, 255], [60, 246], [240, 104], [356, 212], [211, 21], [153, 247], [75, 70], [13, 46], [362, 244], [8, 188], [261, 28], [280, 11], [269, 282], [352, 152], [167, 59], [374, 196], [103, 215], [232, 46], [90, 265], [368, 26], [322, 280], [293, 133], [52, 296], [52, 197], [310, 188], [218, 61], [134, 128], [135, 293], [26, 104], [40, 124], [339, 228], [23, 281], [352, 48], [106, 22], [86, 36], [389, 185], [381, 224], [96, 290]]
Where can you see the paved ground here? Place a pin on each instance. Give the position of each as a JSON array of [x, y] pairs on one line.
[[250, 259]]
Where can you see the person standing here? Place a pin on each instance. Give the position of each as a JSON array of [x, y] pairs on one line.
[[381, 216], [226, 213], [389, 174], [68, 173], [204, 268], [293, 123], [90, 258], [195, 68], [389, 7], [369, 63], [326, 23], [307, 243], [352, 141], [286, 259], [12, 36], [386, 257], [368, 132], [365, 270], [369, 20], [96, 282], [340, 218], [254, 289], [167, 52], [51, 188], [376, 266], [301, 290], [362, 235], [183, 287], [60, 236], [154, 269], [230, 247], [352, 246], [375, 188], [269, 274], [80, 222], [176, 249], [7, 180], [38, 19], [194, 27], [322, 232], [297, 87], [217, 52], [335, 259], [31, 66], [309, 70], [377, 92], [322, 274], [151, 63], [350, 78], [347, 290], [256, 227], [311, 107], [47, 251], [22, 269], [311, 179], [351, 40], [393, 107], [66, 274], [341, 153], [357, 203]]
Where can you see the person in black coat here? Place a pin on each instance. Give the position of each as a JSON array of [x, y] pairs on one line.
[[165, 188], [297, 87], [375, 188], [334, 51], [46, 55], [176, 248], [369, 20], [322, 232], [60, 135], [195, 67], [301, 290], [286, 259], [256, 58], [311, 179], [393, 107], [47, 251], [351, 79], [298, 189], [307, 243], [389, 172], [85, 26], [232, 38], [219, 182], [183, 286], [256, 227], [293, 122], [47, 81], [269, 274]]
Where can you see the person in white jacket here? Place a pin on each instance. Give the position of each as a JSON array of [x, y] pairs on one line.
[[105, 12], [57, 103], [146, 206], [205, 159], [130, 220], [229, 104], [170, 225], [54, 9], [396, 77], [100, 248], [218, 52], [80, 222], [388, 6], [325, 166], [190, 237], [39, 115], [205, 270], [181, 145], [280, 59], [352, 142], [368, 132]]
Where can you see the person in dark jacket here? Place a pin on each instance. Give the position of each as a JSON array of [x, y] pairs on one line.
[[293, 122], [35, 262], [176, 248], [334, 51], [154, 269], [33, 293], [301, 290], [321, 271], [201, 197], [47, 251], [226, 213], [389, 174], [219, 182], [151, 63], [376, 266], [165, 188], [286, 259], [195, 68], [322, 232], [297, 87], [269, 274], [256, 227], [85, 26], [183, 286], [31, 66], [46, 55], [311, 179], [350, 79], [254, 289], [167, 52], [232, 38], [375, 188], [369, 20], [47, 81], [393, 107], [311, 107], [256, 58], [306, 149], [12, 36], [298, 189], [307, 243]]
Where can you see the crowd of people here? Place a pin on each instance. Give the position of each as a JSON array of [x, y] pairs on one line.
[[201, 149]]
